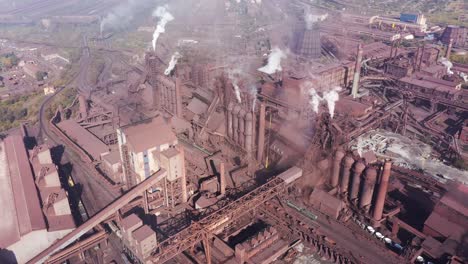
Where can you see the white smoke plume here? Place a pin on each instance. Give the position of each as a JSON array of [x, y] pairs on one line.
[[274, 61], [253, 92], [174, 59], [311, 19], [123, 14], [164, 17], [237, 91], [315, 100], [331, 97], [464, 76], [448, 64]]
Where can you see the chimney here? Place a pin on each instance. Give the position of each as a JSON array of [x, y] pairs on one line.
[[222, 179], [357, 72], [449, 49]]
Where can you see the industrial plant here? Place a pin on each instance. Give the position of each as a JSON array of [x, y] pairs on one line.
[[242, 131]]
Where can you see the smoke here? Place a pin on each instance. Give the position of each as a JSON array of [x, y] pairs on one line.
[[237, 91], [123, 14], [174, 59], [464, 76], [448, 64], [164, 17], [253, 92], [331, 97], [274, 61], [311, 19], [315, 100]]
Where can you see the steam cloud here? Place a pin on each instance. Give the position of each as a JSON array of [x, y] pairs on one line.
[[331, 97], [253, 92], [164, 17], [274, 61], [123, 14], [237, 92], [311, 19], [448, 64], [174, 59], [464, 76]]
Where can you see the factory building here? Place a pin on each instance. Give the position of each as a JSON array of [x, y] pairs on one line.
[[455, 33], [36, 209], [138, 238], [148, 146]]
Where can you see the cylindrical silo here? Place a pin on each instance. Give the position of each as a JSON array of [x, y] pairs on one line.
[[336, 168], [248, 132], [382, 193], [356, 181], [370, 176], [241, 136], [347, 164], [229, 120], [235, 123]]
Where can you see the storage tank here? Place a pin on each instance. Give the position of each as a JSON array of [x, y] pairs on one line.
[[356, 181], [347, 164], [370, 176], [339, 154], [382, 192], [235, 123]]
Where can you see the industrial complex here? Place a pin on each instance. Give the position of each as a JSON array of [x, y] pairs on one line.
[[245, 132]]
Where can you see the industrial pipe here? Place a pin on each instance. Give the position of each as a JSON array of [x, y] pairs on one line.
[[357, 72]]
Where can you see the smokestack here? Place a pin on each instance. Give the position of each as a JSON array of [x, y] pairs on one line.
[[383, 186], [370, 177], [449, 49], [229, 120], [357, 72], [358, 169], [178, 98], [348, 163], [261, 133], [235, 123], [336, 168], [248, 133], [222, 179]]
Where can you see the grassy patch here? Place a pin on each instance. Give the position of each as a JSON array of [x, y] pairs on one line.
[[19, 109]]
